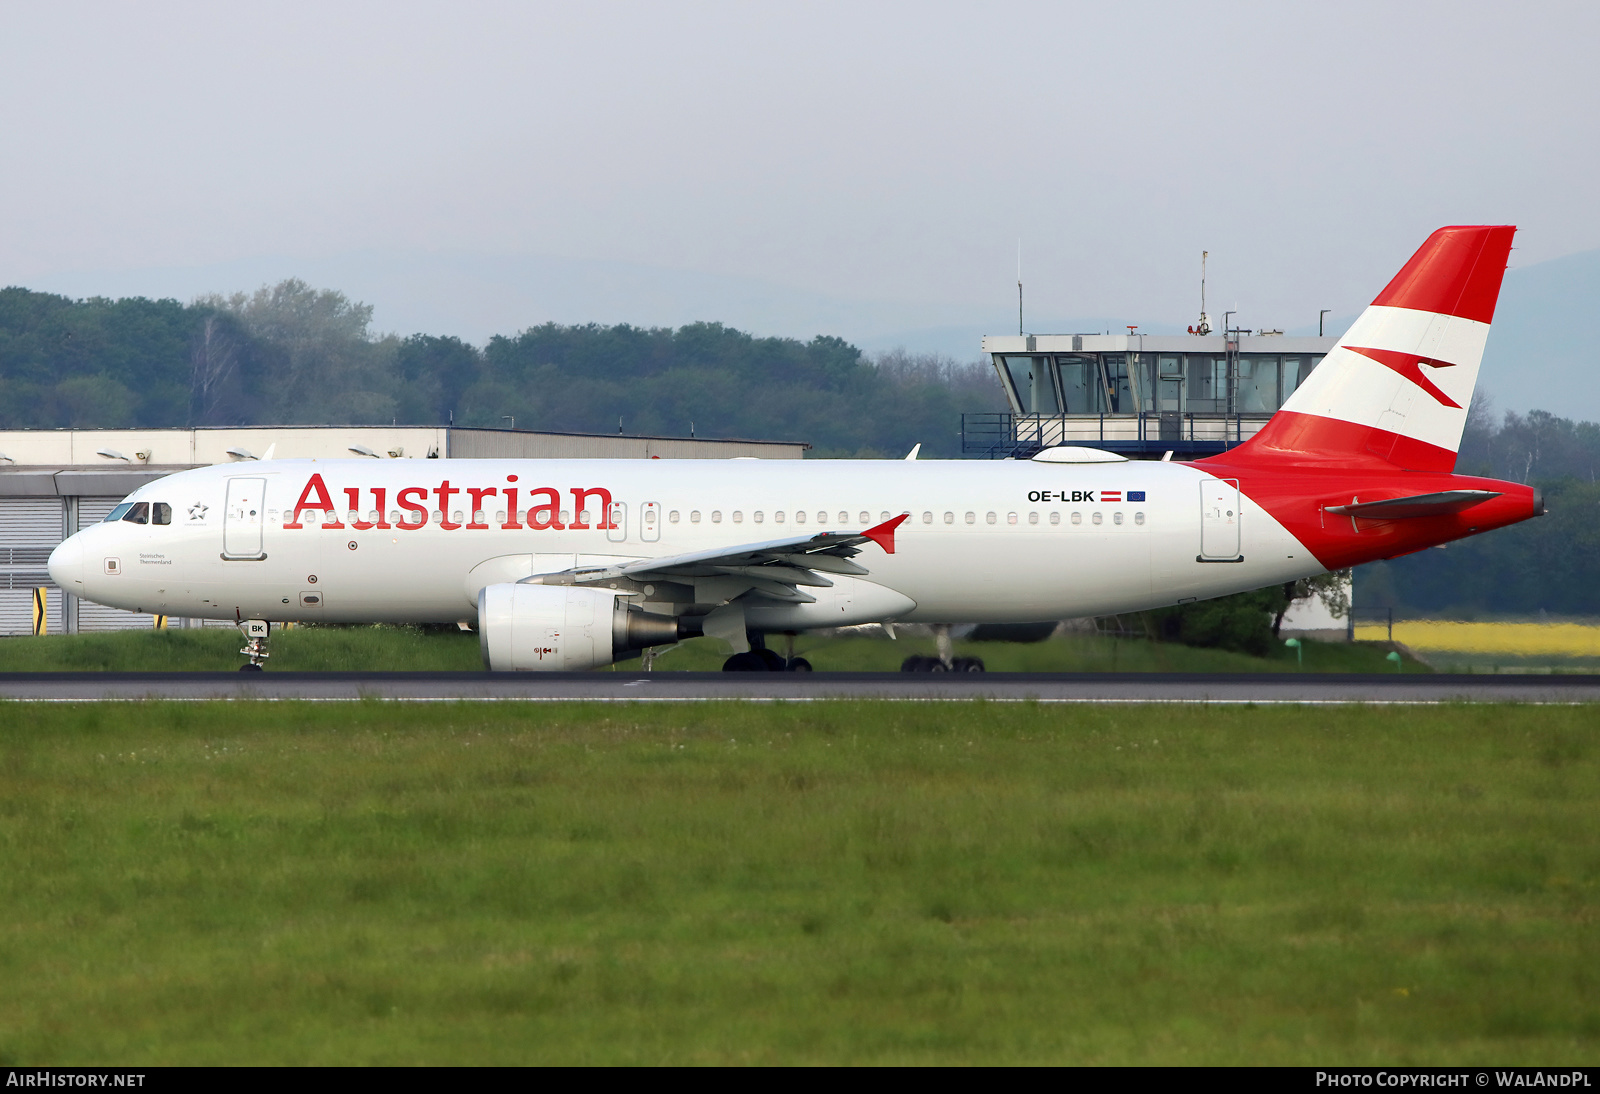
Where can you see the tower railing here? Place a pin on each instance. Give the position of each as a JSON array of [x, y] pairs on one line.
[[1001, 435]]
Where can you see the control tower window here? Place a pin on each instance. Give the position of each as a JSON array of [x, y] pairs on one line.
[[1078, 384], [1208, 382], [1115, 385], [1169, 382], [1031, 380], [1295, 371], [1258, 384]]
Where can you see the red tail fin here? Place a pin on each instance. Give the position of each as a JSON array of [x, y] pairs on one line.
[[1397, 387]]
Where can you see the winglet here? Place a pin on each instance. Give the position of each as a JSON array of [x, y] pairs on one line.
[[883, 534]]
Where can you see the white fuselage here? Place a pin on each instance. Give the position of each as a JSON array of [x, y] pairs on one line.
[[985, 541]]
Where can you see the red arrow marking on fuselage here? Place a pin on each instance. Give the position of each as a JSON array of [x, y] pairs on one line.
[[1409, 365], [883, 534]]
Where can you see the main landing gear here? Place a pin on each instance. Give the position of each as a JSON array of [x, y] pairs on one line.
[[945, 662], [255, 633], [761, 659]]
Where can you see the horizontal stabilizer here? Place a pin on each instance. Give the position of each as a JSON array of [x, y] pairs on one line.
[[1420, 505]]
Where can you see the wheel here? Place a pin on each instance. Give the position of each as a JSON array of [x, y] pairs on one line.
[[773, 660], [915, 663], [251, 668], [746, 662], [968, 664], [799, 664]]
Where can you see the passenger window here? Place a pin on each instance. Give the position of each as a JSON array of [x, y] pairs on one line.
[[927, 518], [162, 512], [1138, 518], [716, 516], [883, 516], [738, 517], [1055, 518], [949, 518], [972, 518], [844, 518], [673, 516], [758, 517], [778, 516], [989, 517], [139, 513], [865, 516], [1011, 518], [1033, 518], [1096, 518], [799, 516], [694, 516], [822, 518], [1116, 518], [1077, 518], [119, 512]]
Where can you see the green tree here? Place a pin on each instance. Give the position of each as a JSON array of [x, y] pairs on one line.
[[325, 366]]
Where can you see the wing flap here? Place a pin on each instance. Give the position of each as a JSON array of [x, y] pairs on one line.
[[774, 568]]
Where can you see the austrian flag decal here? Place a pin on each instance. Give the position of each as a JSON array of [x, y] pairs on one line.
[[1111, 495]]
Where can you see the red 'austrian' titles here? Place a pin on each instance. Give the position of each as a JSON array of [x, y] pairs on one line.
[[543, 510]]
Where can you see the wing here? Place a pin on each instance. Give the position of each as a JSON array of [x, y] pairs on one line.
[[1422, 505], [774, 568]]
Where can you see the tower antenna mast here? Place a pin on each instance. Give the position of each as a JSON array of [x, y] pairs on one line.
[[1019, 285], [1204, 326]]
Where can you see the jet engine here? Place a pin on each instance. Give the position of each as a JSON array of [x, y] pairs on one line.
[[563, 628]]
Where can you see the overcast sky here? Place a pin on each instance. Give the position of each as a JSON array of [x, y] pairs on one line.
[[888, 154]]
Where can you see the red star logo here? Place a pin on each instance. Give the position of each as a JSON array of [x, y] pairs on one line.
[[1410, 365]]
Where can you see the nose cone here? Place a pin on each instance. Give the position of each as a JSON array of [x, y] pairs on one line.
[[66, 564]]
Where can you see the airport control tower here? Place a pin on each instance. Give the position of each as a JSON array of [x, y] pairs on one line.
[[1138, 395]]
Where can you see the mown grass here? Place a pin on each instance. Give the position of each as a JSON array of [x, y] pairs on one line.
[[212, 649], [396, 649], [802, 883]]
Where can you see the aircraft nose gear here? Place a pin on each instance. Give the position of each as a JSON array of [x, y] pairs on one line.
[[255, 633]]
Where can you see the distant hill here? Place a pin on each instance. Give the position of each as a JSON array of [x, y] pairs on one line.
[[1541, 352]]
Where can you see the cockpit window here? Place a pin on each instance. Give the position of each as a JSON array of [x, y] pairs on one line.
[[119, 512], [161, 512], [139, 513]]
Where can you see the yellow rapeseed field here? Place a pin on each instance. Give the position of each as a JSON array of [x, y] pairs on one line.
[[1523, 639]]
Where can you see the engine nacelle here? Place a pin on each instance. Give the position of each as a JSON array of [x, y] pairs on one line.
[[562, 628]]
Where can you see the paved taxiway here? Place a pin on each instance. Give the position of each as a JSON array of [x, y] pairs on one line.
[[692, 687]]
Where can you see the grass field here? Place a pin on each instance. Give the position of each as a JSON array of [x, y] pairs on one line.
[[805, 883], [394, 649]]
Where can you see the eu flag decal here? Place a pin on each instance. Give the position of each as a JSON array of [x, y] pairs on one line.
[[1135, 495]]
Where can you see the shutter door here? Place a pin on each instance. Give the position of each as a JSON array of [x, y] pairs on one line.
[[98, 617], [30, 528]]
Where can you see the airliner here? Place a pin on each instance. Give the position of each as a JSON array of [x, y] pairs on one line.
[[567, 565]]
